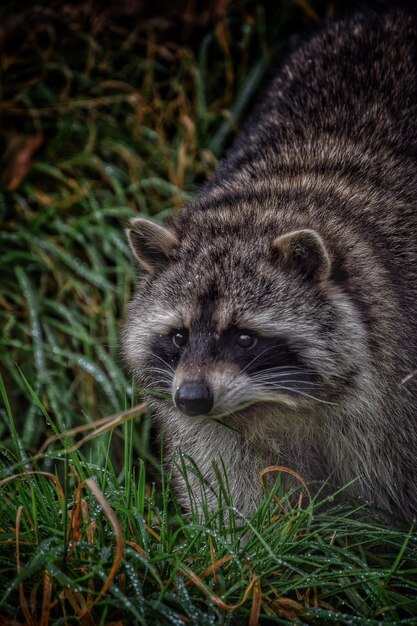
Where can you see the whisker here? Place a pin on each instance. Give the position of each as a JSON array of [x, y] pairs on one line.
[[255, 358], [302, 393], [161, 382], [284, 368], [163, 361], [158, 370], [273, 384], [157, 388], [273, 375], [234, 410]]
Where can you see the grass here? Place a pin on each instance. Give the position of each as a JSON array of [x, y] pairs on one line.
[[86, 544], [102, 121], [103, 117]]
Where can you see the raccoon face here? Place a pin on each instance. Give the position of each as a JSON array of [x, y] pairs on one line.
[[226, 371], [218, 329]]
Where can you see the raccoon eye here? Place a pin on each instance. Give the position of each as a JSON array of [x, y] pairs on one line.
[[246, 340], [179, 338]]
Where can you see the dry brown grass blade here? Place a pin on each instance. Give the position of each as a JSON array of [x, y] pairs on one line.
[[152, 532], [23, 602], [111, 516], [308, 9], [46, 599], [47, 200], [384, 609], [75, 521], [285, 470], [137, 548], [212, 569], [101, 425], [35, 472], [143, 554], [196, 580], [288, 608], [312, 597], [75, 600], [80, 513], [90, 530], [20, 153], [256, 604]]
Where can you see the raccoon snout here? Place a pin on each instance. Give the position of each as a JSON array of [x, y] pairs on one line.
[[194, 398]]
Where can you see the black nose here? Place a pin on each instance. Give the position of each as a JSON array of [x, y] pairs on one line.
[[194, 399]]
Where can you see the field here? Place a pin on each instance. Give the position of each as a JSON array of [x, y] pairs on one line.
[[108, 113]]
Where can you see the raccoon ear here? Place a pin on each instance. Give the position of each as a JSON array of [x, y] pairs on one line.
[[305, 250], [150, 243]]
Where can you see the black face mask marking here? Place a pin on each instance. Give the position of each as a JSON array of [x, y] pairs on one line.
[[270, 359]]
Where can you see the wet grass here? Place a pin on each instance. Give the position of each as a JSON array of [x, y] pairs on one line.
[[101, 120], [103, 117], [90, 544]]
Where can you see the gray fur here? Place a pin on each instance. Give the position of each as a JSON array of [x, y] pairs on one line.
[[307, 232]]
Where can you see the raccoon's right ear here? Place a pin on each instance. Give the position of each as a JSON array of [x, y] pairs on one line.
[[304, 250], [150, 243]]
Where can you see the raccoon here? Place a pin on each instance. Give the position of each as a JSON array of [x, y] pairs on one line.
[[275, 315]]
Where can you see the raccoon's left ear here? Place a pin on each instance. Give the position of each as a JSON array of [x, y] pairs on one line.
[[150, 243], [305, 251]]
